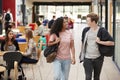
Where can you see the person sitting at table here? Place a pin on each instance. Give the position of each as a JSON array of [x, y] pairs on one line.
[[40, 29], [9, 44], [30, 56]]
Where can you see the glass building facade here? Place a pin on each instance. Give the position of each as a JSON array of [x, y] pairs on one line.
[[71, 11], [117, 33]]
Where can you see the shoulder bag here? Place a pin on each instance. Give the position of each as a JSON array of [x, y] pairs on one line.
[[50, 52]]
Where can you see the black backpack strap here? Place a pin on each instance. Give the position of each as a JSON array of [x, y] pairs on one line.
[[84, 33]]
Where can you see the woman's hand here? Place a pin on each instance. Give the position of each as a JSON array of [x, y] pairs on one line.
[[57, 40], [73, 61]]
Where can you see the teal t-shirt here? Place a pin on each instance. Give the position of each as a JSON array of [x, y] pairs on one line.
[[43, 39]]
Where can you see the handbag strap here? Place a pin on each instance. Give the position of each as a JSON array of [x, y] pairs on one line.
[[57, 34]]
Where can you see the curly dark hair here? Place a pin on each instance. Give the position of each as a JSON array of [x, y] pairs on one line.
[[57, 26]]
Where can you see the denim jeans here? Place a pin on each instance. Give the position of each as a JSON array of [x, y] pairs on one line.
[[91, 65], [61, 69]]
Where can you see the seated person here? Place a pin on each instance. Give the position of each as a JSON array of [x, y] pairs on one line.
[[9, 44], [30, 56], [40, 29]]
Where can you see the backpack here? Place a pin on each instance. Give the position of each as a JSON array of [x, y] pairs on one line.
[[107, 51], [7, 17]]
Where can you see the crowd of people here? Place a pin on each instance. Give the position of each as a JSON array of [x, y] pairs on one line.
[[92, 59]]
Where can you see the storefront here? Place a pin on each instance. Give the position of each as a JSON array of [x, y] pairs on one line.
[[75, 10]]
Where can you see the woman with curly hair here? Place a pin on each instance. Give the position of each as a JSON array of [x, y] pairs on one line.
[[66, 44]]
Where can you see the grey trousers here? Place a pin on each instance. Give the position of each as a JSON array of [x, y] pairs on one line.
[[93, 65]]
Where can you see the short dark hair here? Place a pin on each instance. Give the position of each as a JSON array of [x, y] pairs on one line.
[[54, 16], [38, 23], [93, 17]]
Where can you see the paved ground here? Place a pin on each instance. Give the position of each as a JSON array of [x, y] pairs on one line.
[[44, 71]]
